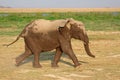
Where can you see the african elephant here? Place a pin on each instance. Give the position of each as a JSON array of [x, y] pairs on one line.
[[45, 35]]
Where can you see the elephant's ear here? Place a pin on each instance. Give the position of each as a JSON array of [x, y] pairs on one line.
[[70, 21], [65, 23], [64, 28]]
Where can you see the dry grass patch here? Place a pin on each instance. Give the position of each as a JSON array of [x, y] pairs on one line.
[[23, 10]]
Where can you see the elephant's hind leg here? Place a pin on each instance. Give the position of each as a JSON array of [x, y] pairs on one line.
[[34, 47], [23, 56]]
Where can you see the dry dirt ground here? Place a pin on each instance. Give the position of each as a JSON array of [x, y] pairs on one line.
[[106, 65], [24, 10]]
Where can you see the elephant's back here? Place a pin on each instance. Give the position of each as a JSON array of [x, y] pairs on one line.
[[42, 26]]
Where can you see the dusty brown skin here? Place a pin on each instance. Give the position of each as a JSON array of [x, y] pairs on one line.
[[44, 35]]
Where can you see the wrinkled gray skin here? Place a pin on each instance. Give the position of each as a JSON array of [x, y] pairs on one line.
[[45, 35]]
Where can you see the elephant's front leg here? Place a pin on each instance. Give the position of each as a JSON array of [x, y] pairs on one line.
[[66, 47], [57, 57]]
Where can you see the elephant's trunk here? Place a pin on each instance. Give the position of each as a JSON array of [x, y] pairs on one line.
[[86, 46]]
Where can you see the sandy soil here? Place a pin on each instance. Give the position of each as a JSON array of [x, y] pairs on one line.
[[106, 65], [23, 10]]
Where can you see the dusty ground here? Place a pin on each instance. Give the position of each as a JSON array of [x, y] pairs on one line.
[[106, 65]]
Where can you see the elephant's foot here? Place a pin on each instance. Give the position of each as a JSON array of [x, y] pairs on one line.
[[92, 55], [18, 61], [79, 68], [55, 65], [77, 65], [37, 65]]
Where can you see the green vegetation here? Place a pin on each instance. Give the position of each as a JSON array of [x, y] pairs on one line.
[[100, 21]]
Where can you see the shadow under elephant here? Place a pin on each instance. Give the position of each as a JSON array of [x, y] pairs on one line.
[[45, 56]]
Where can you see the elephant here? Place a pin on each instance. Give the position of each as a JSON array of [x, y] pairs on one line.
[[44, 35]]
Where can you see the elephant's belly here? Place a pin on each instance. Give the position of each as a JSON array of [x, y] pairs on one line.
[[45, 42], [47, 46]]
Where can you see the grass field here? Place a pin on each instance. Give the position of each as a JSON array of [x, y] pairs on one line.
[[13, 23], [103, 29]]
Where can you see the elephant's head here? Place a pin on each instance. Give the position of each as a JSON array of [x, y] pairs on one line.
[[77, 31]]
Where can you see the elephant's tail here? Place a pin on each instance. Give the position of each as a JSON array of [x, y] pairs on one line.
[[22, 34], [13, 41]]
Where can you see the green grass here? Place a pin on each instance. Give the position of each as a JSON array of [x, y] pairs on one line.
[[94, 21], [10, 33]]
